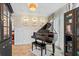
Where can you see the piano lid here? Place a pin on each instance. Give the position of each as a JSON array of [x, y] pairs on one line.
[[45, 27]]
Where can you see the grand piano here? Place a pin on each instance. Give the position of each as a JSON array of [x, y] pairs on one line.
[[44, 35]]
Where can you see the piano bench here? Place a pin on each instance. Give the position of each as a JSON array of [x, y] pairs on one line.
[[39, 44]]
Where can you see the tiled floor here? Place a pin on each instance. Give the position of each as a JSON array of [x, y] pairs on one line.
[[22, 50]]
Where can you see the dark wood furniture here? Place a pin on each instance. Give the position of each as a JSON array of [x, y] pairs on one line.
[[71, 32], [44, 36], [5, 29]]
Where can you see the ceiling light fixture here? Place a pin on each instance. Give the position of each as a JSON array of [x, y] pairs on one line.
[[32, 6]]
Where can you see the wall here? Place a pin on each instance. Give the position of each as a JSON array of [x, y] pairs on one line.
[[59, 28], [25, 26]]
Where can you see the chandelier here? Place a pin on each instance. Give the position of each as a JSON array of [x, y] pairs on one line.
[[32, 6]]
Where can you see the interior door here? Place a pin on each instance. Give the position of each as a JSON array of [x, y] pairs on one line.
[[6, 18], [77, 32], [5, 32]]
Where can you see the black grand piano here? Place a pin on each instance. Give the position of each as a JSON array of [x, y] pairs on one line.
[[45, 36]]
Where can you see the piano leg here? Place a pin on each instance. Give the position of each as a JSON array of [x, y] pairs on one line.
[[32, 46], [45, 50], [53, 48], [36, 45], [41, 51]]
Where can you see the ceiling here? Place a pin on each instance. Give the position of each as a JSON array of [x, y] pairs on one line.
[[44, 9]]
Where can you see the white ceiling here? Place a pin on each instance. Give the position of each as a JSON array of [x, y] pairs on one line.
[[44, 9]]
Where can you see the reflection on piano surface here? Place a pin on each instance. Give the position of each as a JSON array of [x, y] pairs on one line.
[[44, 34]]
